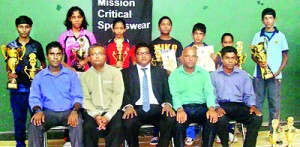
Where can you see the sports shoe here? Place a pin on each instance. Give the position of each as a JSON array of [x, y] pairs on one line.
[[154, 141], [67, 144], [218, 140], [231, 136], [189, 141]]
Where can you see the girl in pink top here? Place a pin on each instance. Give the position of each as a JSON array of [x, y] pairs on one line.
[[74, 38]]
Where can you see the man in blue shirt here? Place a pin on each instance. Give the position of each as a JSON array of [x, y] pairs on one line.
[[235, 99], [55, 98]]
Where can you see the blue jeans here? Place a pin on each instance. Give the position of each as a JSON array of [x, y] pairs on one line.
[[271, 88], [19, 105]]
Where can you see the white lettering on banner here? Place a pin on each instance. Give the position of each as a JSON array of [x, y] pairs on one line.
[[133, 26], [117, 3], [114, 14]]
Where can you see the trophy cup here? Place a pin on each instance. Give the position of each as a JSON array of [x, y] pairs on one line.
[[31, 72], [274, 136], [289, 131], [119, 55], [240, 57], [80, 54], [259, 52], [12, 56], [158, 59]]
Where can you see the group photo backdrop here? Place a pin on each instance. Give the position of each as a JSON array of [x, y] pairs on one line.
[[241, 18]]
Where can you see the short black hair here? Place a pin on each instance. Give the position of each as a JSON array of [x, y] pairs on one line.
[[52, 45], [23, 20], [141, 44], [199, 26], [227, 34], [70, 12], [228, 49], [268, 11], [164, 17], [119, 20]]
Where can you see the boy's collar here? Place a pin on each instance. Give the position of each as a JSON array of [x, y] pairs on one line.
[[262, 32]]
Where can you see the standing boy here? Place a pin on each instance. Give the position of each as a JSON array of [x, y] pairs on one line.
[[277, 50], [165, 43], [19, 97]]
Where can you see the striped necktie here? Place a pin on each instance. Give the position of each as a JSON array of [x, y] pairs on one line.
[[146, 101]]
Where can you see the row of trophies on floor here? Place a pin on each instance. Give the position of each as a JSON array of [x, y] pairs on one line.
[[288, 131]]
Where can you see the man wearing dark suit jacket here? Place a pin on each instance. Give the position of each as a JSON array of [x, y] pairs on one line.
[[147, 99]]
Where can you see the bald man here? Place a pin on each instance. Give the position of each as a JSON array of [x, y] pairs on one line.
[[193, 98]]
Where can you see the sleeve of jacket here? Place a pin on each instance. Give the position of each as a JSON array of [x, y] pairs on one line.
[[126, 80], [166, 90]]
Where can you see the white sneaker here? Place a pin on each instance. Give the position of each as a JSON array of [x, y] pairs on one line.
[[67, 144], [218, 140], [231, 136], [189, 141]]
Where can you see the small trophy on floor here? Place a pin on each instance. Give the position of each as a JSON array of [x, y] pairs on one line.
[[289, 131], [274, 136]]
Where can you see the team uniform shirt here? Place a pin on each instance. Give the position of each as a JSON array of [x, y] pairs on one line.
[[55, 92], [70, 44], [235, 87], [112, 52], [158, 45], [31, 47], [275, 43]]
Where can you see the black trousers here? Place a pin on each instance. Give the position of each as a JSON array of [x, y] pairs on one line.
[[154, 117], [196, 113], [114, 131], [241, 113]]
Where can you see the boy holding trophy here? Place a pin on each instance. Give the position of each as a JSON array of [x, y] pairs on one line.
[[19, 94], [270, 53]]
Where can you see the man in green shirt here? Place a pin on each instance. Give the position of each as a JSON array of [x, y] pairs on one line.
[[193, 98]]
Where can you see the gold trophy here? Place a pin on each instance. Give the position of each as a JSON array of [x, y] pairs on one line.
[[31, 72], [119, 56], [274, 136], [12, 56], [80, 53], [158, 59], [259, 52], [289, 131], [240, 57]]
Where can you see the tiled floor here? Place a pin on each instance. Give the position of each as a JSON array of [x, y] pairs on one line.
[[144, 142]]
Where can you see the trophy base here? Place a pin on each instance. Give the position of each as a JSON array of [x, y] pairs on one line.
[[268, 76], [12, 86]]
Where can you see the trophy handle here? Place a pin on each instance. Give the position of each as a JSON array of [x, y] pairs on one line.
[[125, 55], [3, 47], [250, 48], [25, 70], [114, 55], [23, 52]]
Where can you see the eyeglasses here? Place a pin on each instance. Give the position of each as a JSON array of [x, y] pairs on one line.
[[142, 53], [96, 54]]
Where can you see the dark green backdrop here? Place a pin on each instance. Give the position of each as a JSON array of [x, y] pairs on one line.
[[241, 18]]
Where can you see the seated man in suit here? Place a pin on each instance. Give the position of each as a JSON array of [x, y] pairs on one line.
[[55, 98], [193, 98], [147, 99], [103, 90], [235, 99]]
